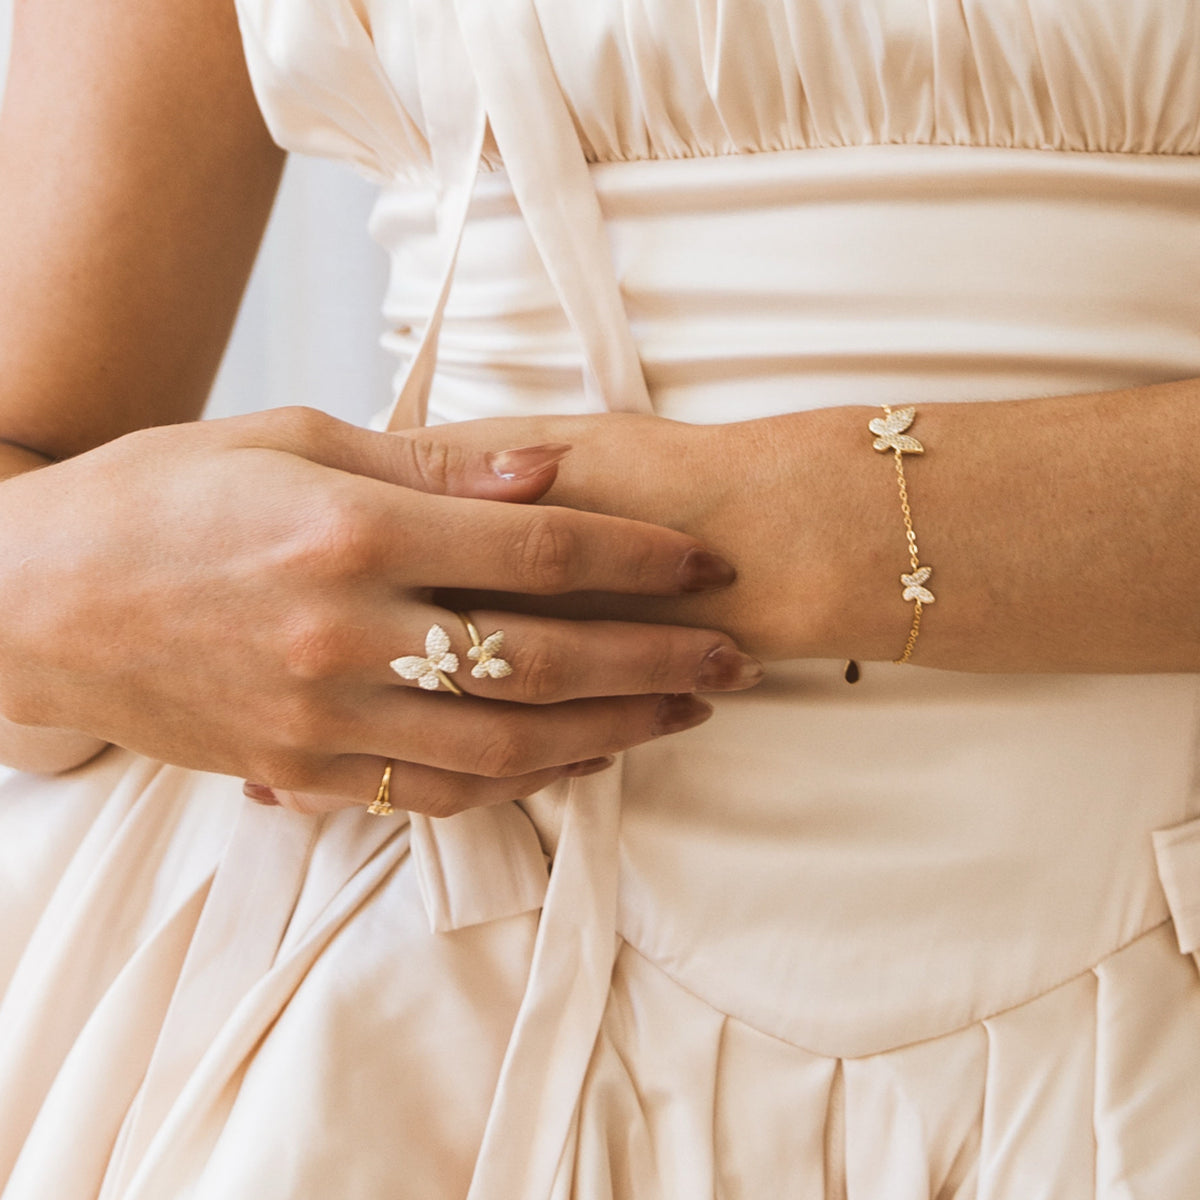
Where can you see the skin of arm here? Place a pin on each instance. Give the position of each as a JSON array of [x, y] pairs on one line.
[[1061, 530], [131, 206]]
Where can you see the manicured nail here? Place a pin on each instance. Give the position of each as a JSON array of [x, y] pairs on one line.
[[590, 766], [526, 461], [727, 669], [702, 570], [259, 794], [677, 713]]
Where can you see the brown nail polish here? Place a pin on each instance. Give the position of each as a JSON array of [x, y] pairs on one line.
[[526, 461], [677, 713], [589, 766], [702, 571], [727, 669], [259, 794]]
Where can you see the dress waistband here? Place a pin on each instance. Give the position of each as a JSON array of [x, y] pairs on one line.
[[795, 279]]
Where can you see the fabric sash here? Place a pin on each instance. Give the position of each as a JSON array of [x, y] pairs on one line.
[[485, 863]]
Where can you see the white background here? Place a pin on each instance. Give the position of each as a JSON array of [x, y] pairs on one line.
[[309, 326]]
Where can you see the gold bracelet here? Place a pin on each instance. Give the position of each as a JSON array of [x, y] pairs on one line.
[[890, 435]]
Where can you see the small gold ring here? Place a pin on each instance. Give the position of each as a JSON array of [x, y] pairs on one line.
[[381, 806], [485, 652]]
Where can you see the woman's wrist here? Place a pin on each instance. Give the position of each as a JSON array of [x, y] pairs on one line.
[[42, 751], [1059, 530]]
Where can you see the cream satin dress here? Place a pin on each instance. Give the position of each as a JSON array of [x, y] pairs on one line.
[[926, 937]]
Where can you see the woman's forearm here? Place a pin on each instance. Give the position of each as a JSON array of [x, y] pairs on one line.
[[1061, 533]]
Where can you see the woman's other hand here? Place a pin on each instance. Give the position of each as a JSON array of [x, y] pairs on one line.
[[229, 595]]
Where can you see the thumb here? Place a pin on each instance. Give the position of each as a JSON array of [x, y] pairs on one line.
[[520, 474], [471, 467]]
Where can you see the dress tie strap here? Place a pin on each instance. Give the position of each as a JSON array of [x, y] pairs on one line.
[[456, 123], [553, 187], [478, 866], [533, 1112]]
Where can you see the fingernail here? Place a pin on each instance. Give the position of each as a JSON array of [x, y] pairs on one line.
[[727, 669], [702, 570], [259, 794], [590, 766], [677, 713], [526, 461]]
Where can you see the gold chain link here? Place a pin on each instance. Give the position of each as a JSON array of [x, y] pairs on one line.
[[891, 436], [909, 533]]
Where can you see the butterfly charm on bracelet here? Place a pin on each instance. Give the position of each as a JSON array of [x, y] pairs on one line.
[[890, 432], [914, 585], [430, 671]]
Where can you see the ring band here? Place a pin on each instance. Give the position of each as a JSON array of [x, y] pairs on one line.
[[381, 806], [485, 652]]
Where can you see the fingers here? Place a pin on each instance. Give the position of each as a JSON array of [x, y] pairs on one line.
[[464, 751], [533, 661], [541, 550], [421, 535], [353, 782], [540, 699], [499, 740]]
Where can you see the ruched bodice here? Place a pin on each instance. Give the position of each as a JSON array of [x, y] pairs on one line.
[[661, 79], [696, 78]]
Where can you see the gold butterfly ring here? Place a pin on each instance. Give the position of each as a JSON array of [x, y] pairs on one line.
[[485, 652], [434, 670]]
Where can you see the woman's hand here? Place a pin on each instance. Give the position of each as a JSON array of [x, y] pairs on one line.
[[228, 596], [786, 499]]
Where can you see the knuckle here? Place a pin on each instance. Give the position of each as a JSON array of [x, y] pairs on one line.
[[281, 768], [661, 666], [307, 803], [317, 647], [302, 425], [431, 464], [342, 539], [293, 428], [547, 552], [500, 753], [296, 802], [444, 800], [545, 675], [297, 726], [644, 555]]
